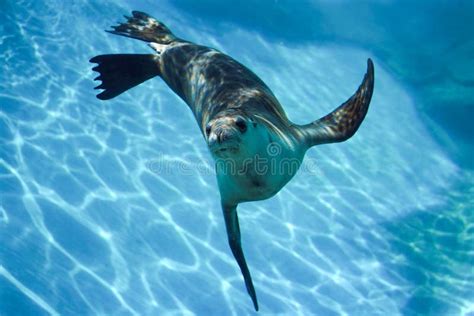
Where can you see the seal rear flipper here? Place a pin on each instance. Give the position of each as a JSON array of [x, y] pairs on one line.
[[121, 72], [343, 122], [233, 233], [143, 27]]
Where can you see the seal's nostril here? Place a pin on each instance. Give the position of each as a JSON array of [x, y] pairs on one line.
[[208, 129], [222, 136], [241, 124]]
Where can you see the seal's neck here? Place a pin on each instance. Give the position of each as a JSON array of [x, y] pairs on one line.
[[266, 162]]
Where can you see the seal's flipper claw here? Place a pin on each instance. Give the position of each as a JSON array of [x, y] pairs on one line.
[[343, 122], [121, 72], [233, 234]]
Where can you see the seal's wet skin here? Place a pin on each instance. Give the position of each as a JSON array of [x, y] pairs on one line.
[[243, 123]]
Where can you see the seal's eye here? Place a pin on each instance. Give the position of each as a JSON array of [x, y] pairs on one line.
[[241, 124], [208, 129]]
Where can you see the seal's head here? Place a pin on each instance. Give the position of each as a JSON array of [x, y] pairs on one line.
[[232, 135]]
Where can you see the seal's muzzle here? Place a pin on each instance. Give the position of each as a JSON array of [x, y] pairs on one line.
[[224, 134]]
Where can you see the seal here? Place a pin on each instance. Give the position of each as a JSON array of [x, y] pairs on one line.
[[256, 148]]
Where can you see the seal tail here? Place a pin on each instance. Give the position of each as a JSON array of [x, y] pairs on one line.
[[233, 234], [343, 122], [120, 72], [143, 27]]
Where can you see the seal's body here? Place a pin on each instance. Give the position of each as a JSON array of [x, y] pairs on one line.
[[256, 148], [222, 94]]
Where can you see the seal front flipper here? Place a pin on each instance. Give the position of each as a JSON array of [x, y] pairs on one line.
[[233, 234], [344, 121], [120, 72]]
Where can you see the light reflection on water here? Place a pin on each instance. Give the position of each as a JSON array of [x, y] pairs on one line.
[[381, 224]]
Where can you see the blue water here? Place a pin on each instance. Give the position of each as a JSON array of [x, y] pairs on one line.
[[112, 207]]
